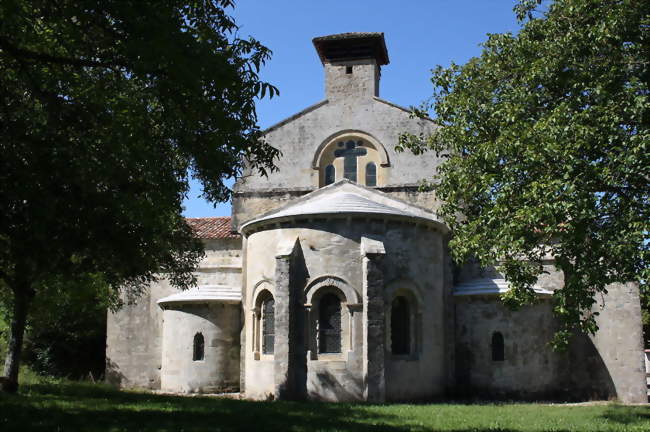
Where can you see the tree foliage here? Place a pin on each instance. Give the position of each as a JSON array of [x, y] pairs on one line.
[[66, 331], [546, 138], [106, 107]]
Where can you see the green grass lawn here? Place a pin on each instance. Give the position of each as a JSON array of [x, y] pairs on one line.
[[65, 406]]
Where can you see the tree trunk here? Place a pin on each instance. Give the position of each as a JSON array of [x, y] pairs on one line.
[[22, 298]]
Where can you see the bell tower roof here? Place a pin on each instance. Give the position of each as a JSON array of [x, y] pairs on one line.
[[352, 46]]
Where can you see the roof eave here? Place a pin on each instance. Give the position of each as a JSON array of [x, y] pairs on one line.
[[246, 228], [380, 53]]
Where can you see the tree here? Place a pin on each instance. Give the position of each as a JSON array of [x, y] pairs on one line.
[[106, 108], [66, 331], [547, 151]]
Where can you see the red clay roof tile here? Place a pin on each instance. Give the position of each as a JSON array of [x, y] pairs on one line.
[[212, 228]]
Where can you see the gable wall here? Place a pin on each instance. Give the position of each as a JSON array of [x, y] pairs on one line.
[[299, 139]]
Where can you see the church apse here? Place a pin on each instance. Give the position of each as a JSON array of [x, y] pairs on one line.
[[345, 299]]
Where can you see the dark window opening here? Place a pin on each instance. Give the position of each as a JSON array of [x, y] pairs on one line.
[[329, 324], [348, 70], [330, 174], [268, 326], [400, 326], [498, 348], [199, 347], [371, 174]]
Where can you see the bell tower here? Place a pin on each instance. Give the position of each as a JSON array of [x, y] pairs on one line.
[[352, 63]]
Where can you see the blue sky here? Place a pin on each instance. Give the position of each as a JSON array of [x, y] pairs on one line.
[[420, 34]]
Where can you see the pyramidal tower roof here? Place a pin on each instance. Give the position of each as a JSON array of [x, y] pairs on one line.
[[345, 198], [352, 46]]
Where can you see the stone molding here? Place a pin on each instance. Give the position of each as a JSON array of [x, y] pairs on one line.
[[407, 286], [349, 133], [262, 285], [351, 296]]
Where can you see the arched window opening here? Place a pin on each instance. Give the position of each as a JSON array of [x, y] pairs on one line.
[[329, 324], [400, 326], [371, 174], [198, 347], [268, 326], [498, 349], [350, 157], [330, 174]]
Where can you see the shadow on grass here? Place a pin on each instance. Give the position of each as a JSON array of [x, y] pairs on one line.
[[82, 407], [626, 415], [98, 408]]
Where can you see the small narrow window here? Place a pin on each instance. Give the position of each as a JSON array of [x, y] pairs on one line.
[[330, 174], [400, 326], [348, 70], [329, 324], [268, 326], [199, 347], [497, 347], [371, 174]]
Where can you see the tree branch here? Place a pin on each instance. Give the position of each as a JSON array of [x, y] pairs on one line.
[[21, 53]]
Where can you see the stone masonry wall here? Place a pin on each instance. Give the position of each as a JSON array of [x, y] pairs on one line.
[[134, 333], [610, 364], [530, 369], [134, 342]]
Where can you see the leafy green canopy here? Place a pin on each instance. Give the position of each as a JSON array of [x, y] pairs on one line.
[[66, 333], [106, 107], [546, 138]]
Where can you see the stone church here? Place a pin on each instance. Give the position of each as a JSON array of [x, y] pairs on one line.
[[332, 280]]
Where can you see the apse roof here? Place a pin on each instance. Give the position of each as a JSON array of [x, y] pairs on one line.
[[204, 294], [345, 198], [489, 286], [340, 202]]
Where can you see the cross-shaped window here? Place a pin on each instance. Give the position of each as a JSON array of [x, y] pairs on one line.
[[350, 152]]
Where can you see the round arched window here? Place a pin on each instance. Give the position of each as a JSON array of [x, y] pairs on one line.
[[198, 351], [400, 326], [268, 326], [329, 324], [351, 158], [498, 347]]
